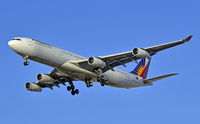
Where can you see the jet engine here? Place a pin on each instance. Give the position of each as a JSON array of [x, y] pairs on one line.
[[33, 87], [140, 53], [95, 62], [44, 78]]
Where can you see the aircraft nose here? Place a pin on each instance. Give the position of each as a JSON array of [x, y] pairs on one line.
[[10, 43]]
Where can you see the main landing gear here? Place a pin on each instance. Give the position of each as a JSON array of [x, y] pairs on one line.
[[72, 88], [103, 81], [26, 61], [101, 77], [88, 83]]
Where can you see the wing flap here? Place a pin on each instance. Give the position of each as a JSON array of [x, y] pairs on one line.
[[150, 80]]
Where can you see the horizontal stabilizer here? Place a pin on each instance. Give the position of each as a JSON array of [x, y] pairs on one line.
[[150, 80]]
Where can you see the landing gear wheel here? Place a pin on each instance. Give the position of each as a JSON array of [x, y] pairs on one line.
[[106, 82], [87, 84], [102, 84], [76, 91], [72, 87], [69, 88], [26, 63], [91, 84], [73, 92]]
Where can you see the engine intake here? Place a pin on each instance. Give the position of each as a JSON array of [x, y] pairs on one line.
[[33, 87], [95, 62], [44, 78], [140, 53]]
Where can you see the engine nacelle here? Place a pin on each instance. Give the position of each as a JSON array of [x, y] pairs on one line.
[[44, 78], [140, 53], [33, 87], [95, 62]]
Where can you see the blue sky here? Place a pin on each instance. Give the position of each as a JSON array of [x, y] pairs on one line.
[[96, 28]]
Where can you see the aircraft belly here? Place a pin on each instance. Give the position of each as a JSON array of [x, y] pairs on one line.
[[72, 74], [76, 72]]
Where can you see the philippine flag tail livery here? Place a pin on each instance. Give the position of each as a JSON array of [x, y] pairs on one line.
[[142, 68]]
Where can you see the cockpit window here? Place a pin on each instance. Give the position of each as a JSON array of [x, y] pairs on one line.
[[17, 39]]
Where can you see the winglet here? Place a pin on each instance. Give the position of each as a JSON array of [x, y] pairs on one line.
[[188, 38]]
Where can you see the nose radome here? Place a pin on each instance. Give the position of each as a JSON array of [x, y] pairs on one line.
[[10, 43]]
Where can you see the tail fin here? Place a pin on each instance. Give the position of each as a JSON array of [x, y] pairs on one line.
[[142, 68]]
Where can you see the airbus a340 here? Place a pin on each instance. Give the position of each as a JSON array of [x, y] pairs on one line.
[[69, 67]]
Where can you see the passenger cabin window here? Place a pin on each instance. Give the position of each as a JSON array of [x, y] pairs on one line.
[[17, 39]]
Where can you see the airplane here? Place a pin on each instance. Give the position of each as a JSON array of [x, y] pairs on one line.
[[69, 67]]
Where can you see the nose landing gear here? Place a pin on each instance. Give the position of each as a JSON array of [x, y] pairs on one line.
[[26, 61]]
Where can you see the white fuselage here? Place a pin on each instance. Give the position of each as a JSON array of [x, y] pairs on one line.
[[63, 61]]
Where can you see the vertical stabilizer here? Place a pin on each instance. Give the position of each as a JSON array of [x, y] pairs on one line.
[[142, 68]]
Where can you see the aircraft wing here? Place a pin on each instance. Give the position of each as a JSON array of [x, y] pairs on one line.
[[56, 75], [158, 48], [126, 57]]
